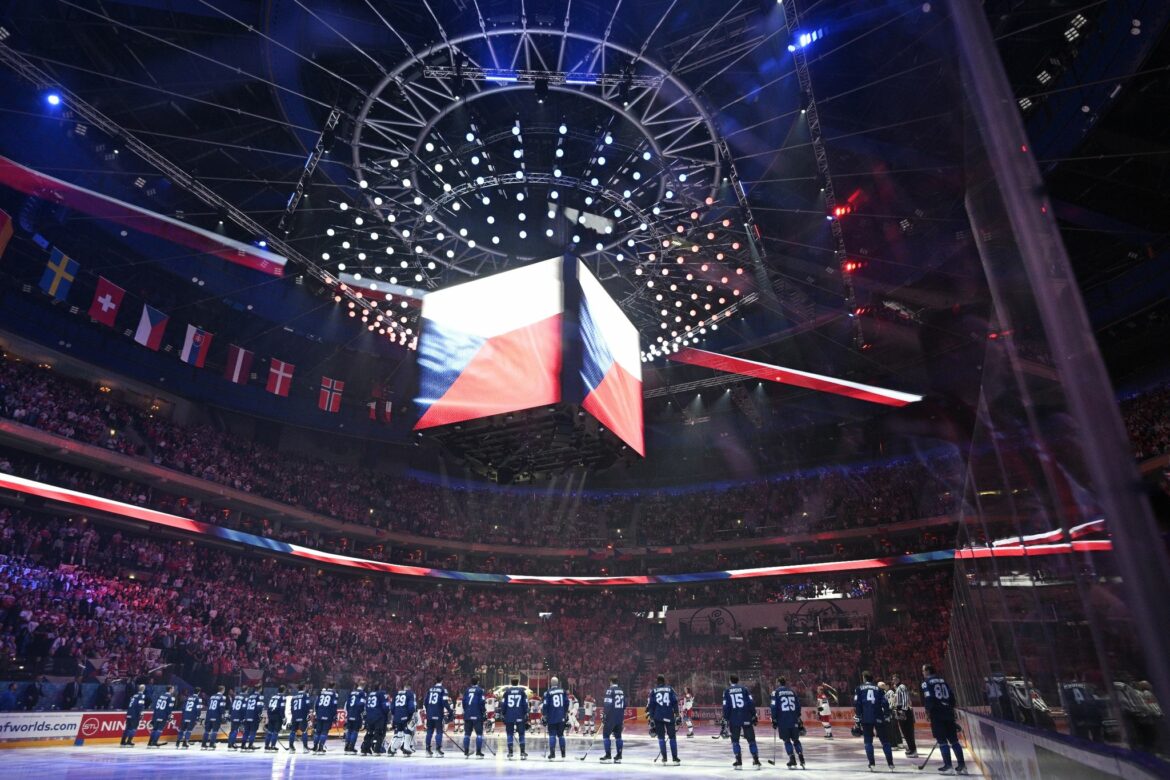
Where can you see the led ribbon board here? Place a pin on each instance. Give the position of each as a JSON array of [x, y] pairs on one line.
[[127, 215], [297, 552], [791, 376]]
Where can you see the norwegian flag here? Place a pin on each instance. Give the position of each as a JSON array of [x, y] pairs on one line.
[[280, 376], [329, 399]]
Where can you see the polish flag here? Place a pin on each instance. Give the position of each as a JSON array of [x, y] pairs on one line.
[[280, 376]]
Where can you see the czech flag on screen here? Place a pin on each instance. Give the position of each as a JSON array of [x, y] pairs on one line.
[[491, 346], [611, 366]]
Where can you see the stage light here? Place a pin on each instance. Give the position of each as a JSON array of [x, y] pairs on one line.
[[377, 200], [549, 232], [601, 161], [491, 220], [475, 159], [324, 255], [562, 129], [262, 243], [463, 232], [559, 152], [521, 216], [406, 183], [53, 99], [669, 194], [358, 221], [519, 174], [495, 239], [343, 206], [519, 195], [363, 184], [557, 173], [345, 245], [486, 200], [391, 218], [470, 137], [523, 234], [438, 167], [389, 250], [517, 153], [430, 147], [330, 232]]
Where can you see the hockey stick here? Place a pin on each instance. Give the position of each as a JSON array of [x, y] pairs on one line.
[[928, 755], [772, 760], [589, 747]]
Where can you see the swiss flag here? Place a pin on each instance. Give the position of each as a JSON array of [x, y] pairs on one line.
[[107, 299], [329, 399], [280, 376]]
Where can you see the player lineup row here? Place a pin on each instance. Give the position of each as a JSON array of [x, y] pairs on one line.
[[309, 715]]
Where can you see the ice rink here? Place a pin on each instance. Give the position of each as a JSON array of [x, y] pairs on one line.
[[701, 756]]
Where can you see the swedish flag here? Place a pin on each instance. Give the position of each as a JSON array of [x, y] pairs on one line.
[[59, 275]]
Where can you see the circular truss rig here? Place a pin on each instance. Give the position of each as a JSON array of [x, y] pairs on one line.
[[498, 148]]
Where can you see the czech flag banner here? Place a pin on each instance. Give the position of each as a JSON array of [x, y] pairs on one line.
[[151, 326], [491, 346]]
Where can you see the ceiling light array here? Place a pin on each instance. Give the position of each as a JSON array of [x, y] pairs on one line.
[[628, 213]]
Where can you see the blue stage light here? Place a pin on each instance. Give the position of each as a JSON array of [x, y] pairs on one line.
[[53, 99]]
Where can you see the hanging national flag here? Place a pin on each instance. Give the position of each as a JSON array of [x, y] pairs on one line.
[[380, 409], [239, 365], [59, 275], [280, 376], [151, 326], [196, 346], [107, 299], [329, 399], [5, 231]]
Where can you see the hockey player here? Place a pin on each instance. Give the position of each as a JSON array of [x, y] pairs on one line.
[[787, 721], [327, 703], [572, 725], [217, 705], [590, 707], [873, 714], [134, 709], [904, 715], [237, 716], [492, 705], [377, 711], [514, 706], [438, 707], [688, 711], [299, 704], [940, 711], [355, 708], [613, 716], [739, 710], [191, 709], [458, 727], [402, 715], [555, 713], [825, 711], [275, 722], [253, 711], [535, 705], [164, 705], [474, 710], [662, 712]]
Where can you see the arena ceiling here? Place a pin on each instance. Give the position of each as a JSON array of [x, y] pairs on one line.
[[667, 142]]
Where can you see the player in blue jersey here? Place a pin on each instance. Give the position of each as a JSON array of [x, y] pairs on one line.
[[377, 710], [237, 716], [939, 702], [662, 712], [275, 722], [873, 714], [355, 709], [217, 705], [134, 710], [613, 718], [402, 717], [253, 711], [437, 704], [514, 708], [327, 703], [474, 712], [191, 709], [299, 705], [739, 710], [787, 721], [164, 706], [554, 712]]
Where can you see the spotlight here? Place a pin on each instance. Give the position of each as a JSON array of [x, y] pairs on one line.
[[53, 99]]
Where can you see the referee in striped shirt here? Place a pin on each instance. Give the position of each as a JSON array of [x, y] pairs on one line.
[[904, 715]]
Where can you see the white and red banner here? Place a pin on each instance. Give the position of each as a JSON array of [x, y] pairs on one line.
[[239, 365], [280, 376], [107, 299]]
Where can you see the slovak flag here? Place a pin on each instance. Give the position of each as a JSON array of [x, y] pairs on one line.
[[280, 376], [151, 326], [491, 346], [329, 399], [239, 365], [107, 299], [196, 346]]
